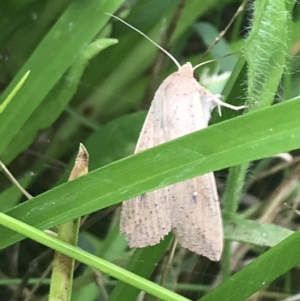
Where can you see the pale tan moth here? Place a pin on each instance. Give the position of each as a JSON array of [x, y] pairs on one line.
[[190, 208]]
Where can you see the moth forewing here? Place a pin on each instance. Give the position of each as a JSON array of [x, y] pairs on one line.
[[146, 219], [196, 216]]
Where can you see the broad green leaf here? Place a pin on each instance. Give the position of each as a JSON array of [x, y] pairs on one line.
[[239, 229], [242, 139]]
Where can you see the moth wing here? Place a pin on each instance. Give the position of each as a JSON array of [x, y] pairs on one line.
[[175, 111], [146, 219], [196, 216]]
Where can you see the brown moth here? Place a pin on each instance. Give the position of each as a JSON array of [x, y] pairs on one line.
[[191, 208]]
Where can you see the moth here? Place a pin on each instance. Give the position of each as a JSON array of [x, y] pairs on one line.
[[191, 208]]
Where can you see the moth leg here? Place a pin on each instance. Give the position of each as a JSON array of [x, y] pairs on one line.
[[217, 100]]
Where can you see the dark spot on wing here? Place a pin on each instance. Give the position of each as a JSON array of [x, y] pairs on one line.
[[195, 197]]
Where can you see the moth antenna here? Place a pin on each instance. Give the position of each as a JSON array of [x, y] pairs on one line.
[[144, 35], [201, 64]]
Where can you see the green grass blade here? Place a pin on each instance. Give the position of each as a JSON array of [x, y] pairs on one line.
[[55, 102], [266, 49], [259, 272], [265, 52], [137, 266], [78, 25], [90, 260], [13, 92], [242, 139]]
